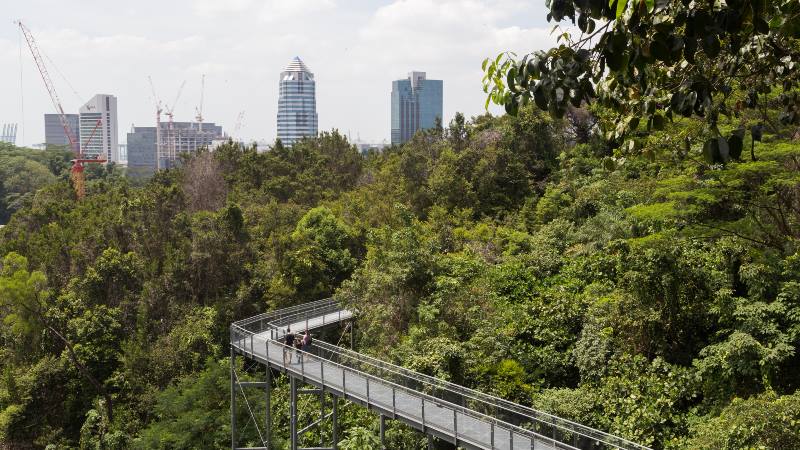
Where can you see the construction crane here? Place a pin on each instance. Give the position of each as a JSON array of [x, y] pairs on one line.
[[171, 145], [199, 109], [159, 110], [78, 162], [238, 126]]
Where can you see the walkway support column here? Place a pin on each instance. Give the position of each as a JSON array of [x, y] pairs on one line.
[[293, 412], [268, 412], [383, 432], [321, 416], [233, 400], [335, 422]]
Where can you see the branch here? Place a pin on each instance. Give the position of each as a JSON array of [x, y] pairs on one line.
[[39, 314], [739, 235]]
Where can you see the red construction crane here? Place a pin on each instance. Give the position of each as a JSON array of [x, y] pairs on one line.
[[77, 163]]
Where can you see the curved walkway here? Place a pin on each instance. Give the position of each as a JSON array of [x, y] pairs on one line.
[[451, 412]]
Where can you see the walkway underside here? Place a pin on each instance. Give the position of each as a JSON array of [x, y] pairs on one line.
[[452, 413]]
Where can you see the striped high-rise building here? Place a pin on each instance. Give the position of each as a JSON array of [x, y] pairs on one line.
[[98, 128], [297, 103]]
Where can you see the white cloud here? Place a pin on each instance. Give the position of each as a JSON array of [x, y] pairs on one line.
[[283, 10], [354, 47], [212, 8]]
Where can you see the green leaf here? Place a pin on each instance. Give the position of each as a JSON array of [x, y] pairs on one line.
[[621, 4]]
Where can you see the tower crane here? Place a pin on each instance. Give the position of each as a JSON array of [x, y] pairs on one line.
[[199, 109], [238, 125], [171, 126], [76, 172], [159, 110]]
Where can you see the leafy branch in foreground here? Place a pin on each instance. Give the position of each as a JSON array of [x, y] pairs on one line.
[[651, 61]]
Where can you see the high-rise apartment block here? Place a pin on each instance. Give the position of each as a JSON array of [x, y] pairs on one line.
[[98, 128], [180, 137], [8, 133], [416, 104], [297, 103], [54, 134]]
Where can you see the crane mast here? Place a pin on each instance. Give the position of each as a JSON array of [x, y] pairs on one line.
[[76, 172], [159, 110], [48, 83]]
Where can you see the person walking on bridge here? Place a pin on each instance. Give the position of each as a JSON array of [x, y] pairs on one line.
[[305, 343], [288, 339]]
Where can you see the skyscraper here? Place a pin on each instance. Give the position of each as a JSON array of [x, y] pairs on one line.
[[54, 134], [297, 103], [99, 140], [416, 103]]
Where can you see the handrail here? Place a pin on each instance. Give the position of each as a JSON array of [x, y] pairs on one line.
[[489, 400], [289, 309], [511, 428], [513, 412]]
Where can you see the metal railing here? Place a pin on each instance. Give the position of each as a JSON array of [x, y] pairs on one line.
[[469, 406], [563, 430], [466, 425]]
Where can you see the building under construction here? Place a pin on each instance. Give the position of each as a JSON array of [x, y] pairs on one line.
[[181, 138]]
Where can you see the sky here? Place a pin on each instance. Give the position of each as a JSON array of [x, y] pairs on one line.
[[355, 48]]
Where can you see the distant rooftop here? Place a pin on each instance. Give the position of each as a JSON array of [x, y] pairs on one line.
[[297, 65]]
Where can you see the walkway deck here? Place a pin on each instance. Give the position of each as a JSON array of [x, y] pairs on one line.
[[401, 394]]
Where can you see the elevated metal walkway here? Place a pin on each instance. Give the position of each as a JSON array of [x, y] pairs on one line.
[[453, 413]]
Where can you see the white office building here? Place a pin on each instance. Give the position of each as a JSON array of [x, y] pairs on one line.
[[98, 128]]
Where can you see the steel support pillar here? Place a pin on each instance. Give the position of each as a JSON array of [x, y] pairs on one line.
[[335, 422], [293, 413], [233, 400], [321, 415], [268, 410], [383, 432]]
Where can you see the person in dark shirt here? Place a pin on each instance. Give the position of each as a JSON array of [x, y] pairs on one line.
[[289, 341]]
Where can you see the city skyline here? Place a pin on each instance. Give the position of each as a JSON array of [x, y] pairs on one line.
[[355, 49]]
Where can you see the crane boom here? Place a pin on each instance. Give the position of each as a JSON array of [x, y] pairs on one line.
[[48, 83], [177, 97]]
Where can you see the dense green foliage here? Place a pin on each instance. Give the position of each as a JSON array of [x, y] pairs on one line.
[[655, 60], [654, 296], [22, 172]]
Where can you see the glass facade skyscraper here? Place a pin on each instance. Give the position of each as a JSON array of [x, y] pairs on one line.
[[416, 103], [297, 103]]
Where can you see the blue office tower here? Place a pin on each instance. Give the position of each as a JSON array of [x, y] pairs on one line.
[[416, 103], [297, 103]]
